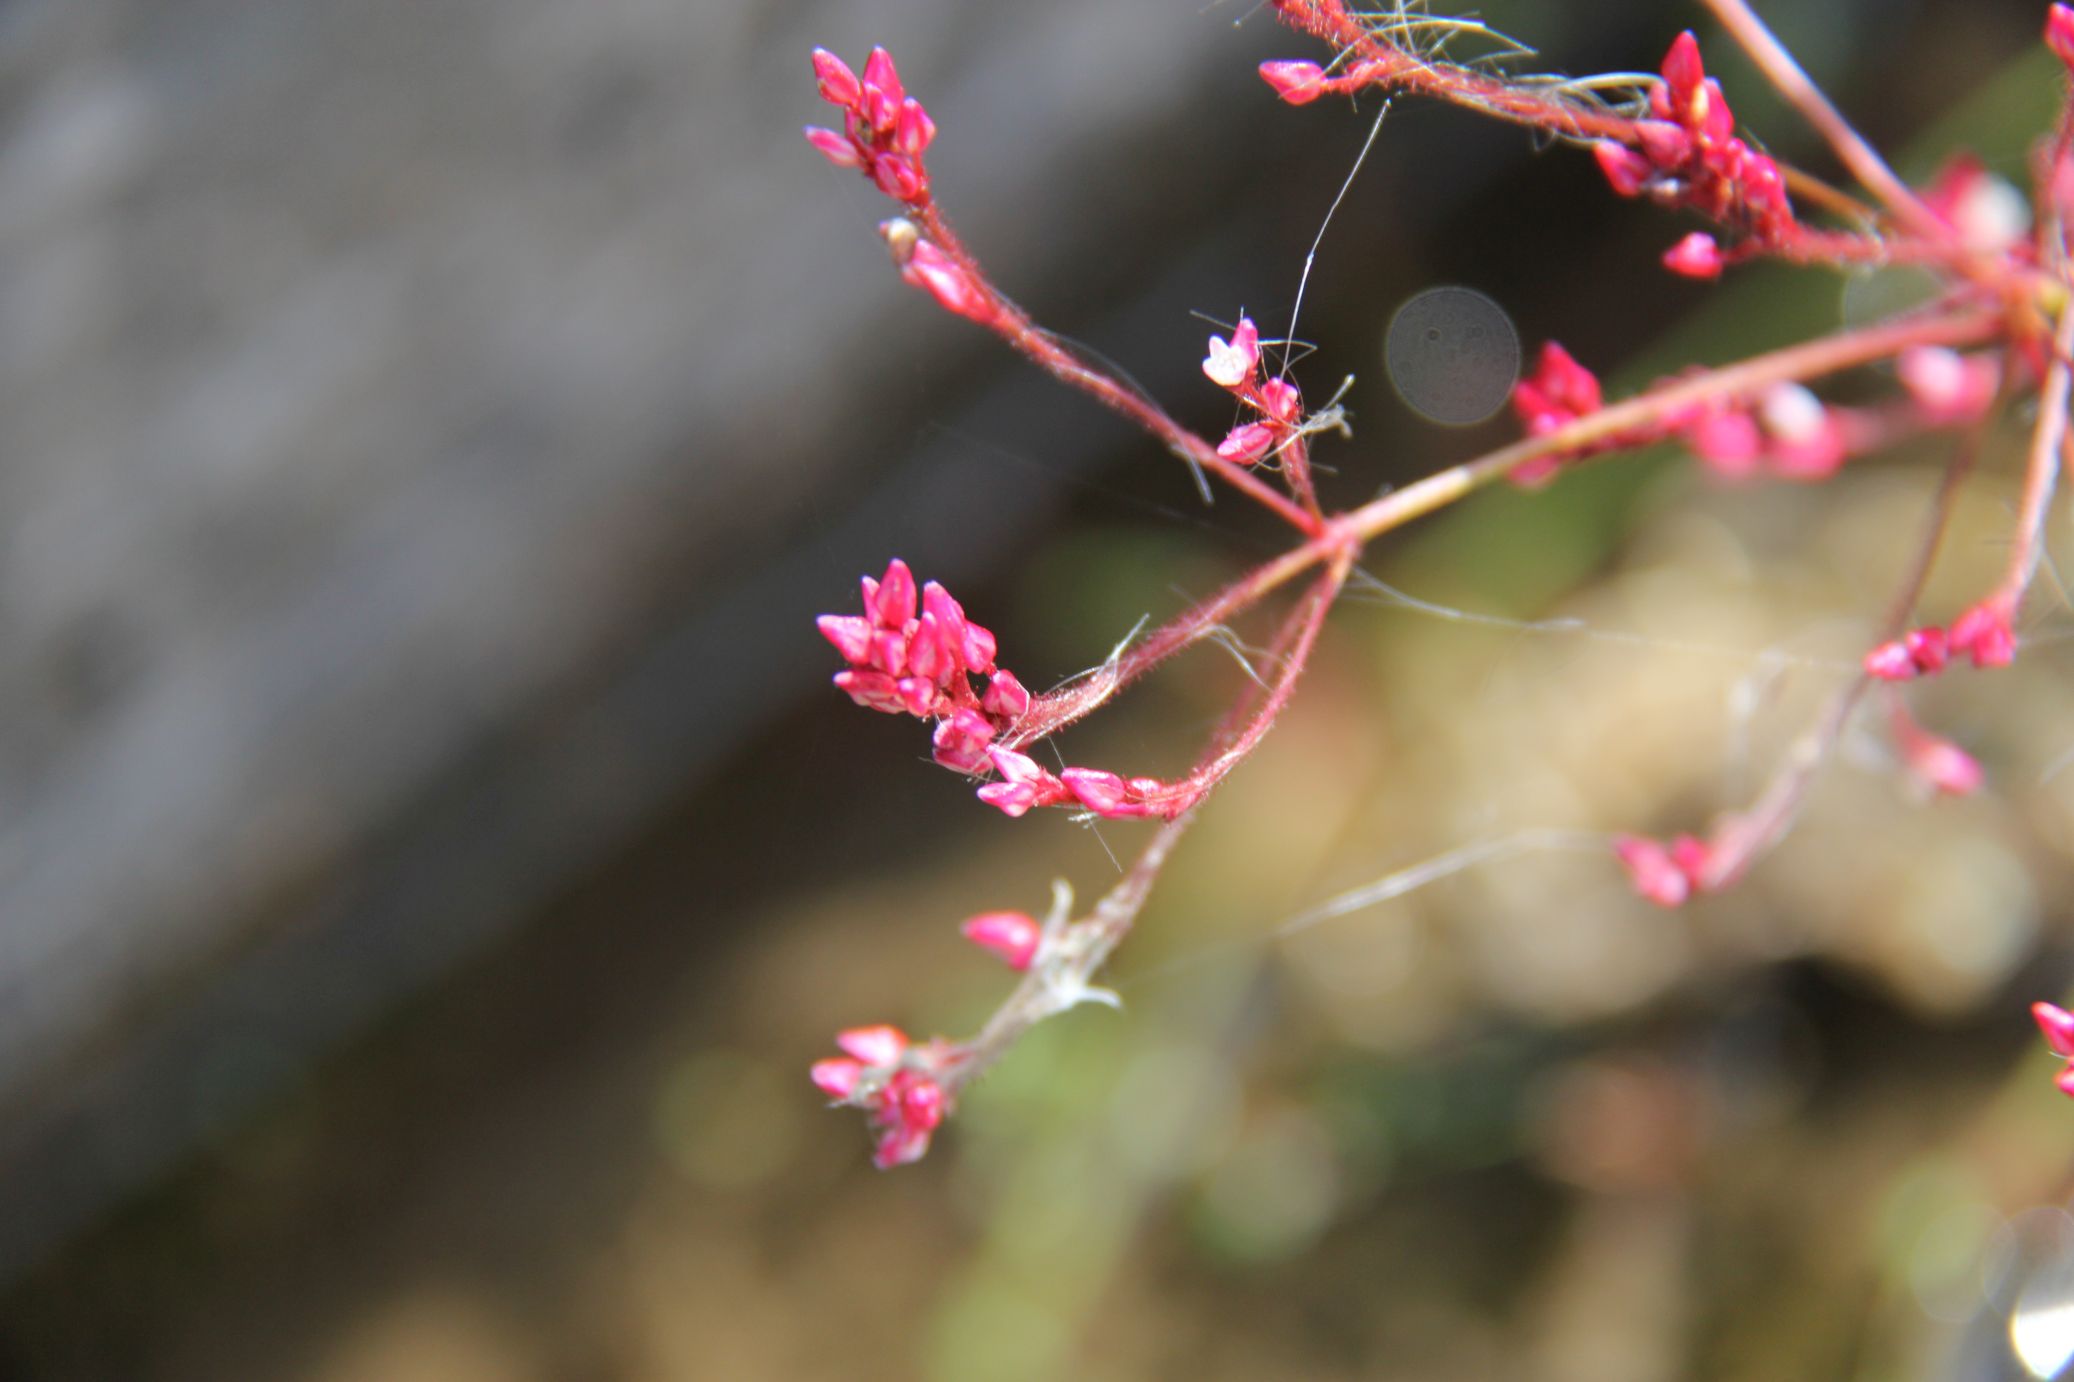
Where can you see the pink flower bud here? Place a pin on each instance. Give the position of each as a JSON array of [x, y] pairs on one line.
[[1714, 121], [978, 648], [1942, 765], [919, 696], [914, 129], [949, 615], [1024, 784], [1231, 363], [1728, 441], [850, 635], [1006, 698], [909, 1109], [1298, 83], [2059, 33], [1100, 792], [1696, 256], [1984, 634], [1984, 208], [1765, 202], [1247, 443], [1280, 400], [1691, 857], [1890, 662], [1945, 386], [961, 740], [898, 176], [1560, 385], [878, 1046], [889, 651], [839, 85], [1628, 171], [2057, 1024], [1927, 648], [1651, 870], [837, 1077], [872, 690], [954, 289], [880, 72], [1014, 936], [2064, 1082], [1664, 144], [890, 601], [1791, 413], [1682, 69], [876, 117], [836, 148], [928, 655]]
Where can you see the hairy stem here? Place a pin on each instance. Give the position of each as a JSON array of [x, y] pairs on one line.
[[1042, 348]]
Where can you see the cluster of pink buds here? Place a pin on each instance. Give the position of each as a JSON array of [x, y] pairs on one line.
[[1785, 431], [882, 1072], [1688, 156], [2056, 1022], [1982, 209], [1948, 389], [1025, 783], [1666, 874], [899, 1082], [1557, 393], [885, 130], [915, 653], [1235, 367], [1986, 633]]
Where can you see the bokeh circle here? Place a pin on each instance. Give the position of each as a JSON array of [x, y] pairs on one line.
[[1453, 355]]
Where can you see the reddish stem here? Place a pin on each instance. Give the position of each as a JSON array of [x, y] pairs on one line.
[[1039, 346], [2041, 474]]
